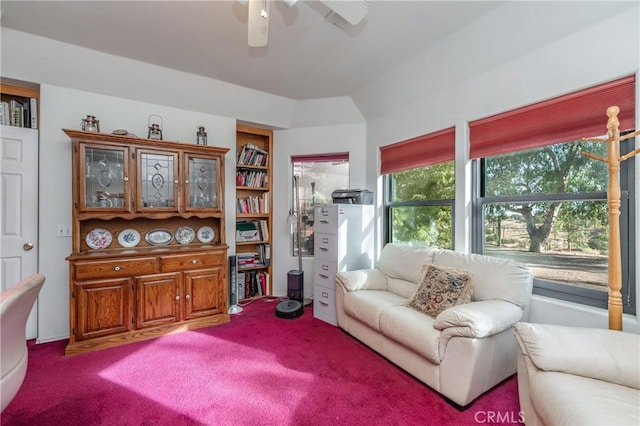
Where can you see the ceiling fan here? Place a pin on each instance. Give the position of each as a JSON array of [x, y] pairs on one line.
[[351, 12]]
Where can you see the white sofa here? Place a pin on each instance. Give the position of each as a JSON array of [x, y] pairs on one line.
[[578, 376], [463, 352]]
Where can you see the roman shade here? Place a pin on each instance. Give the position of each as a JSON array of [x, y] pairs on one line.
[[338, 156], [432, 148], [565, 118]]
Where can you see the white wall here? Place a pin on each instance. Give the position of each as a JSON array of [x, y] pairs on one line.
[[302, 141], [603, 51]]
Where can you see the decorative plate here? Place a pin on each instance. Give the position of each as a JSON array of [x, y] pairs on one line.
[[158, 237], [99, 238], [184, 235], [206, 234], [129, 238]]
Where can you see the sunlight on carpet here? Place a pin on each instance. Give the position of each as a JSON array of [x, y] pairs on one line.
[[255, 370]]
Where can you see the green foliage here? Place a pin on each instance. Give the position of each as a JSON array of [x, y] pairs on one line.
[[436, 182], [554, 169], [420, 224]]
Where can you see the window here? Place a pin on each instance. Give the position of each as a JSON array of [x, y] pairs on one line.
[[541, 202], [420, 206], [318, 176], [420, 188]]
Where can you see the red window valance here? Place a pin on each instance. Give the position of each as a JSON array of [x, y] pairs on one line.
[[432, 148], [566, 118], [336, 156]]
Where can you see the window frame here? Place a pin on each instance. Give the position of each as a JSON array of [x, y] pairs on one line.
[[389, 204], [343, 157], [557, 290]]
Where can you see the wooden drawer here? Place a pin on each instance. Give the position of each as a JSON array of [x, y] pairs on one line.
[[114, 268], [181, 262]]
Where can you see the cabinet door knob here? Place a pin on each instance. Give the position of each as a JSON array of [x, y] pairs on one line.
[[187, 297], [126, 179], [194, 261], [186, 181], [116, 268], [177, 298], [176, 181]]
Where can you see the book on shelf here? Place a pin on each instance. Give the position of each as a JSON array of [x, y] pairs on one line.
[[253, 205], [254, 283], [252, 178], [251, 155], [19, 113], [252, 230], [255, 259], [247, 231]]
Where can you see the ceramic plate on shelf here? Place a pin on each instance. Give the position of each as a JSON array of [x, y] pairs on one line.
[[159, 237], [129, 238], [184, 235], [206, 234], [99, 238]]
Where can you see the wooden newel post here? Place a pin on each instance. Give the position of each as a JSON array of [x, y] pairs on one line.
[[613, 198]]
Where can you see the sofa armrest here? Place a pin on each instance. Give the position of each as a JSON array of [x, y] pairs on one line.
[[596, 353], [479, 319], [362, 279], [475, 320]]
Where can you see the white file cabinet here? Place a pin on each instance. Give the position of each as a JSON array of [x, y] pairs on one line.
[[343, 241]]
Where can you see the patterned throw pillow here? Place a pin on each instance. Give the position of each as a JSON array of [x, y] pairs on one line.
[[441, 288]]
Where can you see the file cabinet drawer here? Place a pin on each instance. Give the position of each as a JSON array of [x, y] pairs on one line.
[[325, 246], [325, 219], [324, 272], [324, 304]]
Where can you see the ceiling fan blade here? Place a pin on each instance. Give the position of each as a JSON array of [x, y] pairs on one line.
[[352, 11], [259, 14]]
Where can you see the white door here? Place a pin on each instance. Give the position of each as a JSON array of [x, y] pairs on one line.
[[19, 210]]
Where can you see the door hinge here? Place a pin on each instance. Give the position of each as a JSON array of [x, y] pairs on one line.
[[133, 320], [73, 331], [73, 294]]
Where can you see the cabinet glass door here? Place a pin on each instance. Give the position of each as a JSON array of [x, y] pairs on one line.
[[202, 183], [157, 179], [105, 178]]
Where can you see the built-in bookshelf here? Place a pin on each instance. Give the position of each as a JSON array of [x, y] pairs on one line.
[[19, 104], [254, 148]]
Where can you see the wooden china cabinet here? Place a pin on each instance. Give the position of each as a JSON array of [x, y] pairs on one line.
[[149, 251]]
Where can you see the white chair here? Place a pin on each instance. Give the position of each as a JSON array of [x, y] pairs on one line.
[[15, 303], [577, 376]]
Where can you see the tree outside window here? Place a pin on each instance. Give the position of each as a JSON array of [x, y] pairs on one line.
[[547, 207], [420, 207]]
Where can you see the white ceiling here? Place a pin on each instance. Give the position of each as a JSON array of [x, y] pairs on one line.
[[307, 56]]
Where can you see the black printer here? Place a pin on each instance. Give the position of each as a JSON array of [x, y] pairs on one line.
[[352, 196]]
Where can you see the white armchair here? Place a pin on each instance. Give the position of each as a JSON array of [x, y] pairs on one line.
[[573, 375], [15, 304]]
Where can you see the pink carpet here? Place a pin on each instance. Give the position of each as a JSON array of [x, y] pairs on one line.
[[256, 370]]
